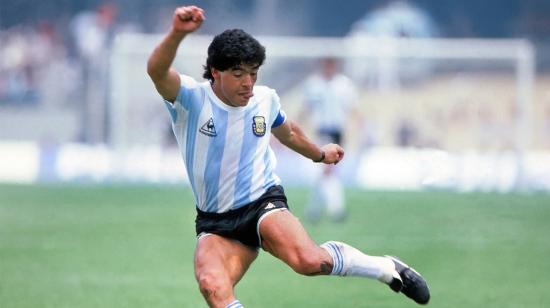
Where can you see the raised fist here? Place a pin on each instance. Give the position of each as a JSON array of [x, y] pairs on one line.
[[187, 19]]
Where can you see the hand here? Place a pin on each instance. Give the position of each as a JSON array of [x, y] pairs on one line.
[[334, 153], [187, 19]]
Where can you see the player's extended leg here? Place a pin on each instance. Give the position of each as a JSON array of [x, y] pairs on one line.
[[219, 265], [284, 237]]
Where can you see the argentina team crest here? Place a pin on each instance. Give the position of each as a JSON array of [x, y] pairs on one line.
[[258, 126]]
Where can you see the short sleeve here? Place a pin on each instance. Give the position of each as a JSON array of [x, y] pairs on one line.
[[182, 103], [277, 114], [188, 86], [280, 119]]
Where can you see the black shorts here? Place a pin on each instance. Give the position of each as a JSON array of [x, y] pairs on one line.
[[330, 135], [242, 224]]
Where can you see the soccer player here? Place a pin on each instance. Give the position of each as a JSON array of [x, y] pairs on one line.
[[331, 101], [223, 127]]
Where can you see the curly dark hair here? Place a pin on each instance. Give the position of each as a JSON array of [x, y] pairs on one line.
[[232, 48]]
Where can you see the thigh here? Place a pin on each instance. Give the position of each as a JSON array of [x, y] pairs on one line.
[[284, 237], [222, 258]]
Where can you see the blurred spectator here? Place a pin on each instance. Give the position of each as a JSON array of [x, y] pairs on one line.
[[17, 78], [92, 33], [56, 77], [28, 53], [331, 101], [92, 30]]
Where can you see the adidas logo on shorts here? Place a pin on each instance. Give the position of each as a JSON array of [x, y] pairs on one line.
[[269, 206]]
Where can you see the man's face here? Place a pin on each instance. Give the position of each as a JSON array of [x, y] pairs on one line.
[[234, 86]]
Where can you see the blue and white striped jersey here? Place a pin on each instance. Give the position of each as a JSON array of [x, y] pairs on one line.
[[225, 149]]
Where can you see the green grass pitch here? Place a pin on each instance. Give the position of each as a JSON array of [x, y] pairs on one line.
[[120, 246]]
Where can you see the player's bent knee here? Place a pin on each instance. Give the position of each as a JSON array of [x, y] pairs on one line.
[[213, 287], [306, 264]]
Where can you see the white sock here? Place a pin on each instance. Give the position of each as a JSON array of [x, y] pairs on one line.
[[348, 261], [234, 304]]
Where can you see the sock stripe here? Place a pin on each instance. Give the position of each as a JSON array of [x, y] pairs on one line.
[[336, 259], [339, 260], [235, 304]]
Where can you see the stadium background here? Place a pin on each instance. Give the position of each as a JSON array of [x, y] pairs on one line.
[[93, 215]]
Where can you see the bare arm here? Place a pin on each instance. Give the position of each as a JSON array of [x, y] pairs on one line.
[[186, 19], [292, 136]]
